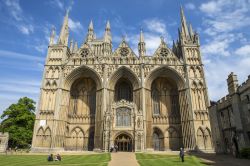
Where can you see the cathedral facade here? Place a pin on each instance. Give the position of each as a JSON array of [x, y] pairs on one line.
[[94, 97]]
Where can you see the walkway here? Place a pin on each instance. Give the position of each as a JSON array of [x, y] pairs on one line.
[[123, 159]]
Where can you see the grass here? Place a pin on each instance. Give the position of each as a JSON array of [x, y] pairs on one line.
[[41, 160], [171, 160]]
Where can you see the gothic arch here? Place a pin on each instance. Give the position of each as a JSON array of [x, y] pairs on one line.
[[164, 71], [204, 139], [77, 139], [82, 71], [173, 137], [124, 72], [158, 139]]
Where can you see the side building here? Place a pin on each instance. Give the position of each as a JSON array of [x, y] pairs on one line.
[[230, 118]]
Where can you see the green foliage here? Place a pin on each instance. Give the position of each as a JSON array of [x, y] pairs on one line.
[[31, 160], [18, 120], [245, 153]]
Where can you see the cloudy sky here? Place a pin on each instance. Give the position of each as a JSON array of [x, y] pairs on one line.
[[223, 26]]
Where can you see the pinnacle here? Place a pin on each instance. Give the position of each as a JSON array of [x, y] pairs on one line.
[[91, 27], [108, 25]]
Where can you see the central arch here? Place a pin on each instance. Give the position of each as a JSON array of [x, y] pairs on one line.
[[125, 73], [124, 142]]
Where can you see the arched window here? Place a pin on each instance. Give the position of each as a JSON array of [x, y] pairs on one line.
[[123, 117], [124, 91], [158, 140], [156, 101]]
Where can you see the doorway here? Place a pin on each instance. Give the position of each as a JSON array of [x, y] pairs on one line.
[[124, 143]]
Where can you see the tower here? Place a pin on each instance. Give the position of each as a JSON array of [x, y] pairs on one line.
[[188, 47]]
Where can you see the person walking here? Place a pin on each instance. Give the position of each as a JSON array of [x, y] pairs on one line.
[[182, 154]]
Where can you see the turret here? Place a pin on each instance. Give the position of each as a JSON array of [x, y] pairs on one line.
[[232, 83], [64, 34], [52, 36], [107, 34], [142, 45], [90, 35]]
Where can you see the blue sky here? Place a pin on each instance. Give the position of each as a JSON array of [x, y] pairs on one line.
[[223, 26]]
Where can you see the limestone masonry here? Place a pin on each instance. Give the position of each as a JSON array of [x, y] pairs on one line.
[[94, 98]]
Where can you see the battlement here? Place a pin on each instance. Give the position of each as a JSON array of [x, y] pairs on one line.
[[244, 85]]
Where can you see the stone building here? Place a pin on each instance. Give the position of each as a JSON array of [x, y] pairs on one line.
[[4, 138], [230, 118], [93, 96]]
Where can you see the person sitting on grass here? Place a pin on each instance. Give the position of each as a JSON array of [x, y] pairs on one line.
[[50, 157], [58, 157]]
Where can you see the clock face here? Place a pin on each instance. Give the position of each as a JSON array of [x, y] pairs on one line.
[[85, 52], [164, 52], [124, 51]]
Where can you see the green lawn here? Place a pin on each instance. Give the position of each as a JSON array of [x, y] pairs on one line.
[[165, 160], [70, 160]]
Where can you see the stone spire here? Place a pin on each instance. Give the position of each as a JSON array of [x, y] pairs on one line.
[[184, 28], [142, 45], [64, 34], [52, 36], [191, 33], [90, 35], [107, 34]]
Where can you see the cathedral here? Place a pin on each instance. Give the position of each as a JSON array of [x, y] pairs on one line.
[[94, 96]]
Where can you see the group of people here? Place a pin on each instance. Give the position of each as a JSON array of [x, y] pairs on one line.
[[114, 148], [57, 157]]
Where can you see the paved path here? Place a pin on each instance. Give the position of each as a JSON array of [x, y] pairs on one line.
[[123, 159]]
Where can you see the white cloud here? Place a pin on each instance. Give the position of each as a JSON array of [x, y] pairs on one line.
[[153, 29], [219, 45], [225, 16], [243, 51], [18, 19], [223, 23], [75, 26], [26, 29], [14, 8], [155, 25], [190, 6], [209, 7]]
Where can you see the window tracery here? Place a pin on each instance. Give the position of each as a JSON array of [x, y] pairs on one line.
[[123, 117]]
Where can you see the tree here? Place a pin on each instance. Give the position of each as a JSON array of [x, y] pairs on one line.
[[18, 120]]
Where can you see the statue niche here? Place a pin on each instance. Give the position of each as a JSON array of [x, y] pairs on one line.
[[83, 97]]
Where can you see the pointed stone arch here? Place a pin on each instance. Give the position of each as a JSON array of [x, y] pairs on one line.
[[82, 71], [158, 139], [165, 71], [76, 141], [124, 72]]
